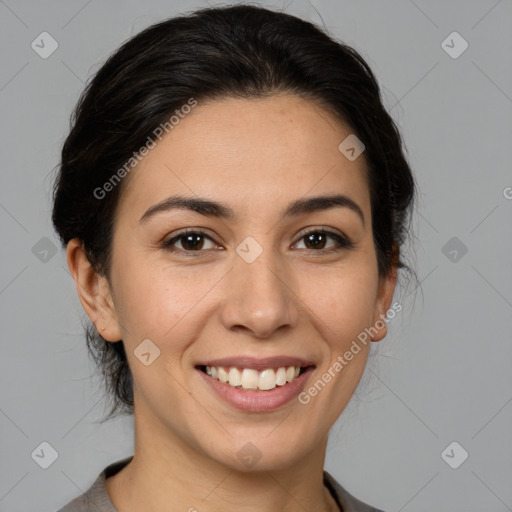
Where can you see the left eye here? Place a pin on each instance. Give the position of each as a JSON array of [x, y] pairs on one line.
[[316, 240]]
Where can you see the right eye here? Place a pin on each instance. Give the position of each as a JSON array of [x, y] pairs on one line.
[[191, 241]]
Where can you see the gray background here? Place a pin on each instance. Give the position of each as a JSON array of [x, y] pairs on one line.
[[443, 373]]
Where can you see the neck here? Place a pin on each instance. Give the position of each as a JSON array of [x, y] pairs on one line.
[[167, 473]]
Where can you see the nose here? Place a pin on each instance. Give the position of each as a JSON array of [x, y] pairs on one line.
[[259, 297]]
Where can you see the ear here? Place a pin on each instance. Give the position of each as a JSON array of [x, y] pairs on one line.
[[93, 291], [383, 303]]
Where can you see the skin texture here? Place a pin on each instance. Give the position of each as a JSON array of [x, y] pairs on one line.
[[255, 156]]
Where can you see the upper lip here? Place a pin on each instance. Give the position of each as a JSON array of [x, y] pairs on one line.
[[257, 363]]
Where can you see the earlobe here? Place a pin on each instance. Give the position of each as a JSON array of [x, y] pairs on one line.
[[93, 291], [384, 297]]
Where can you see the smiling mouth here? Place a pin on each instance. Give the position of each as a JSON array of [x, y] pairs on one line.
[[256, 380]]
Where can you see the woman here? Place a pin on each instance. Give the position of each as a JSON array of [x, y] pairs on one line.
[[233, 197]]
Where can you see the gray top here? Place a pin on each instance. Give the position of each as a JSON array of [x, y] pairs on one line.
[[96, 498]]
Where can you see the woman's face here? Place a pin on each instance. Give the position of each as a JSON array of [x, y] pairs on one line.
[[259, 289]]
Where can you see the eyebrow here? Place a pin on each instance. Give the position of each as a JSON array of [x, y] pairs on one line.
[[211, 208]]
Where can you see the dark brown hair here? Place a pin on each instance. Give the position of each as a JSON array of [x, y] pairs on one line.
[[241, 51]]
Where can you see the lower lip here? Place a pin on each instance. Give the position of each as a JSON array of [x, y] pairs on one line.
[[254, 400]]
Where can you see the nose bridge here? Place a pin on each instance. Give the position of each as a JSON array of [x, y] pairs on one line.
[[258, 296]]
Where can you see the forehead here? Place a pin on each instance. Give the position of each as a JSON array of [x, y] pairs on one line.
[[249, 153]]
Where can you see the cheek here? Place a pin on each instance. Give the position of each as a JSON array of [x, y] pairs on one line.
[[160, 302], [342, 308], [342, 300], [143, 292]]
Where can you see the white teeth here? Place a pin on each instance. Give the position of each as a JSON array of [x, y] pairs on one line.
[[281, 376], [235, 377], [223, 374], [267, 380], [249, 378]]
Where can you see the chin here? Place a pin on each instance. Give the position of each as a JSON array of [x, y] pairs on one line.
[[250, 453]]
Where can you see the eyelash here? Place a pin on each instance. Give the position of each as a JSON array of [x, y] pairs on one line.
[[343, 242]]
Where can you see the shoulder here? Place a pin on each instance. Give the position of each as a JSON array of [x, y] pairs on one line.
[[96, 497], [348, 502]]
